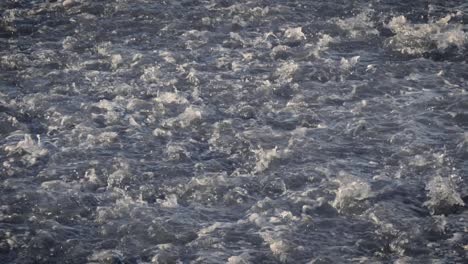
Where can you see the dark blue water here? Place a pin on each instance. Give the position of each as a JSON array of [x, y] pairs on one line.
[[217, 131]]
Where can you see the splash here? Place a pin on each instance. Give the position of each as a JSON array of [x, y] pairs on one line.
[[443, 197], [417, 39]]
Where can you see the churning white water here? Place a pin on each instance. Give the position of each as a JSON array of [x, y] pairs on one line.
[[219, 131]]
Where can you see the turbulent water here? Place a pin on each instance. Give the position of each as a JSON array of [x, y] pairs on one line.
[[218, 131]]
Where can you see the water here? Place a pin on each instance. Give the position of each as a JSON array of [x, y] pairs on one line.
[[261, 131]]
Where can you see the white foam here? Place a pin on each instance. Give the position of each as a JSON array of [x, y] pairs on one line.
[[416, 39], [152, 74], [217, 225], [32, 150], [286, 70], [116, 60], [265, 157], [443, 196], [243, 258], [169, 202], [158, 132], [106, 256], [171, 98], [348, 64], [321, 45], [294, 34], [176, 151], [358, 26], [280, 248], [352, 190], [185, 119]]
